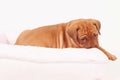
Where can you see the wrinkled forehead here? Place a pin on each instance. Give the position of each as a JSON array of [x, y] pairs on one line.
[[81, 22], [86, 26]]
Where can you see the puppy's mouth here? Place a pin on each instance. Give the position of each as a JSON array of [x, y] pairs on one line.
[[90, 47], [95, 46]]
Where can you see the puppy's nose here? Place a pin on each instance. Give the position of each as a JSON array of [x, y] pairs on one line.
[[92, 46], [89, 47]]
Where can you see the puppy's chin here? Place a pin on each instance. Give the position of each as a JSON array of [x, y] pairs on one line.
[[88, 46]]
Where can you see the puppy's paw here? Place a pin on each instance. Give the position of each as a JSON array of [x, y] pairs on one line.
[[112, 57]]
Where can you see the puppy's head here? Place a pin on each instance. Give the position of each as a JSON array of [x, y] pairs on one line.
[[84, 32]]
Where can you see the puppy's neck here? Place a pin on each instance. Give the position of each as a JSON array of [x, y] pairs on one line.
[[63, 39]]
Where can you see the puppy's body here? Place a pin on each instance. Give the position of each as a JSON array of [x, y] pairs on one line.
[[53, 36], [59, 35], [81, 33]]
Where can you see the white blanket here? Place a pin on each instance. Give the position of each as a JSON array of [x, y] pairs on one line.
[[37, 63]]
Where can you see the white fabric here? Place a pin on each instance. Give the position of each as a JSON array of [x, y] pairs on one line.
[[37, 63]]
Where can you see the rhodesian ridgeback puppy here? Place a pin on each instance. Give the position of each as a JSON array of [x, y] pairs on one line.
[[80, 33]]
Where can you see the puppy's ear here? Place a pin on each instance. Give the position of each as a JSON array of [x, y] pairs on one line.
[[98, 25], [72, 31]]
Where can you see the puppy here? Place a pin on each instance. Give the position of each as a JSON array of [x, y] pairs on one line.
[[80, 33]]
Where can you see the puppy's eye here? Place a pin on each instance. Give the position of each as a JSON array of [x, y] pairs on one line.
[[95, 35], [84, 40]]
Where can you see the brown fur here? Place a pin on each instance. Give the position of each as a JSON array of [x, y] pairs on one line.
[[80, 33]]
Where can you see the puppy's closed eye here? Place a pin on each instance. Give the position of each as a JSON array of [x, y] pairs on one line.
[[83, 39], [95, 36]]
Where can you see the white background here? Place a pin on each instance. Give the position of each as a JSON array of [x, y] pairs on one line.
[[17, 15]]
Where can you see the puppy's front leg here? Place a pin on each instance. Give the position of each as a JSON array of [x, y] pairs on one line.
[[110, 56]]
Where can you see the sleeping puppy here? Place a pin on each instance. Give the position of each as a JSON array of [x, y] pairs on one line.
[[80, 33]]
